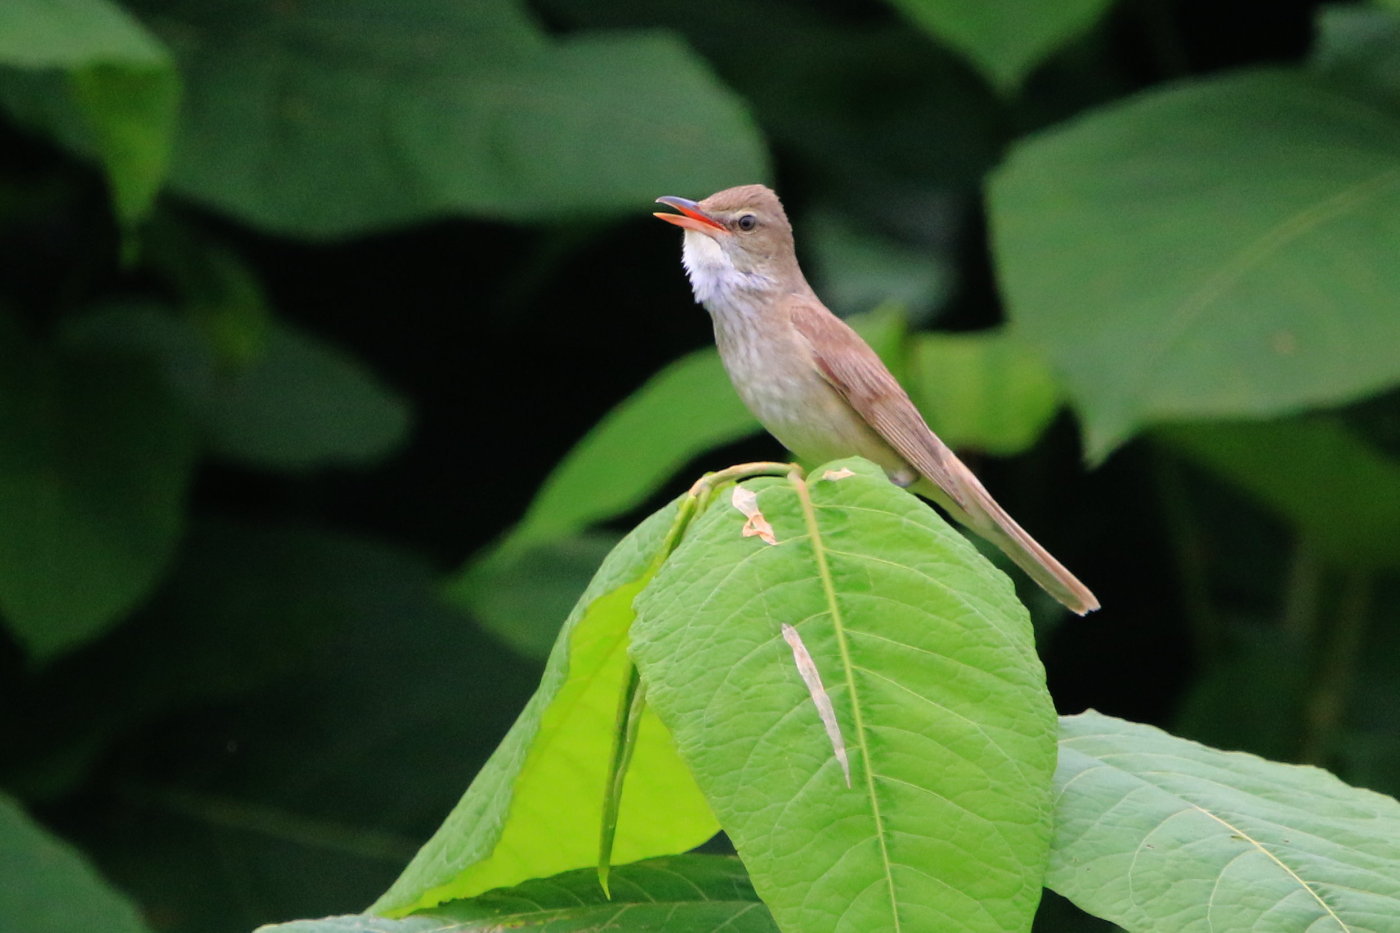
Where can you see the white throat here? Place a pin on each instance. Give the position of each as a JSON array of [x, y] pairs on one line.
[[713, 278]]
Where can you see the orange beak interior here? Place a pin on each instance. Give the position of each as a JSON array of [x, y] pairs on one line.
[[690, 216]]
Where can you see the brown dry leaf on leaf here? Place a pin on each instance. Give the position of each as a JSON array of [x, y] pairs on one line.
[[746, 501]]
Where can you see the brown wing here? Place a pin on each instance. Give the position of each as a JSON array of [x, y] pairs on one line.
[[855, 371]]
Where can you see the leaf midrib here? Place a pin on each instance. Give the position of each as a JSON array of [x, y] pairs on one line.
[[809, 515], [1098, 762]]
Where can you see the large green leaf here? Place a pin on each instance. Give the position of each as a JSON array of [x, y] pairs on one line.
[[1341, 493], [1005, 39], [691, 893], [535, 808], [988, 390], [50, 887], [327, 118], [95, 458], [292, 401], [1216, 249], [930, 665], [119, 98], [1158, 833]]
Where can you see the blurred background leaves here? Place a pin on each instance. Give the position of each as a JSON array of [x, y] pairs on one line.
[[302, 303]]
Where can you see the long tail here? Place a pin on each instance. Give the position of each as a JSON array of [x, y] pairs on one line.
[[984, 516]]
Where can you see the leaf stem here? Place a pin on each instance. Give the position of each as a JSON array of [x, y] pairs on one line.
[[632, 703], [629, 720]]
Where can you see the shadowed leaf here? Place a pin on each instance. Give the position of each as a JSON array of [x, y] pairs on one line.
[[95, 457], [1005, 39], [1224, 248], [50, 887], [375, 117]]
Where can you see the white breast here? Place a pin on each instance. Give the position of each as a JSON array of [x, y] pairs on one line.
[[772, 370], [713, 277]]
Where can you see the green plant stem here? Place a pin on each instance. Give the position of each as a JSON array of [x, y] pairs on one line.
[[1327, 700], [629, 720], [632, 703]]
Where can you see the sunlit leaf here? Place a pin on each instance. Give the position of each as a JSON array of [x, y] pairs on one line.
[[690, 893], [1005, 39], [1154, 832], [930, 665], [50, 887], [1216, 249], [535, 809]]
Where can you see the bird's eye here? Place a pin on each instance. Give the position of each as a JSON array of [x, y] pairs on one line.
[[747, 222]]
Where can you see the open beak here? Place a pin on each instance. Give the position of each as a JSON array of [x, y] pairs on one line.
[[690, 216]]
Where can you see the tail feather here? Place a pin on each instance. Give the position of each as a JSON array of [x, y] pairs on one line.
[[984, 516]]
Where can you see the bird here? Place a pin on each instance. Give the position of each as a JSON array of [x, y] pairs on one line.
[[819, 388]]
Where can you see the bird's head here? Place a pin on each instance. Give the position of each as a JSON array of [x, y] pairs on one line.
[[738, 238]]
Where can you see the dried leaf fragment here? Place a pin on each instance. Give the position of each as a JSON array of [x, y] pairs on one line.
[[808, 669], [838, 474], [746, 501]]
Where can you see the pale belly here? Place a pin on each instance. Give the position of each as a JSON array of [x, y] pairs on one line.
[[780, 384]]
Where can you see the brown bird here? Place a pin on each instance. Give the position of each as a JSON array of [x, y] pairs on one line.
[[815, 384]]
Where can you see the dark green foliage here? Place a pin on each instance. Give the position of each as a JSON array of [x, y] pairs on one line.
[[337, 351]]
